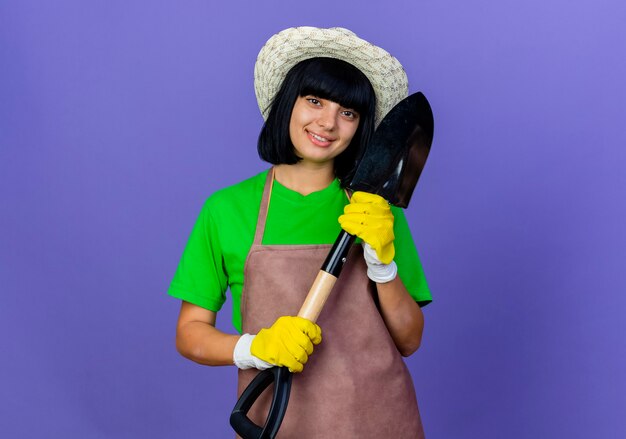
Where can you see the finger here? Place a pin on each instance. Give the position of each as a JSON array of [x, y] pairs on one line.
[[371, 235], [293, 366], [354, 219], [315, 334], [351, 225], [297, 369], [297, 347], [298, 352], [376, 210], [313, 331], [299, 340], [366, 197], [317, 337], [380, 221], [357, 208]]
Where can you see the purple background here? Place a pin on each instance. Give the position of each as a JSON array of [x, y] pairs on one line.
[[118, 118]]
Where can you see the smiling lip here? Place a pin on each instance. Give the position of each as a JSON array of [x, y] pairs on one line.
[[317, 139]]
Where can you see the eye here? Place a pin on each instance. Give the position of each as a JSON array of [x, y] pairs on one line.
[[350, 114], [313, 100]]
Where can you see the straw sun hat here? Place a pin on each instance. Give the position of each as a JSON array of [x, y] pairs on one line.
[[290, 46]]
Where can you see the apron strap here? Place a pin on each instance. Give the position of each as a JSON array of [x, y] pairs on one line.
[[265, 204]]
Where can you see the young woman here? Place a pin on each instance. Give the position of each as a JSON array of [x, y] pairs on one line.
[[321, 92]]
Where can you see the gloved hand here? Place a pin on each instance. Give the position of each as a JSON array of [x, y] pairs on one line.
[[289, 342], [369, 217]]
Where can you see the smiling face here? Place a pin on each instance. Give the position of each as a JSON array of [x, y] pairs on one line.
[[294, 132], [321, 129]]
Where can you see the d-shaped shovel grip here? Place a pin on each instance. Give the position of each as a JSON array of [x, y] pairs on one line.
[[280, 376]]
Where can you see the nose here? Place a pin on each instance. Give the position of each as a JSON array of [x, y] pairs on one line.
[[328, 117]]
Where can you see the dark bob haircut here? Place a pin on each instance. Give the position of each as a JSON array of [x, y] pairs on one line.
[[325, 78]]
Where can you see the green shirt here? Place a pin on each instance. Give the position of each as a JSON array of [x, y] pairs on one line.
[[215, 255]]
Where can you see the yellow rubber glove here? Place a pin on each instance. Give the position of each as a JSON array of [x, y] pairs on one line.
[[369, 217], [289, 342]]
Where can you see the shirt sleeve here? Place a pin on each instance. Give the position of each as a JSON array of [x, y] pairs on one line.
[[200, 277], [409, 266]]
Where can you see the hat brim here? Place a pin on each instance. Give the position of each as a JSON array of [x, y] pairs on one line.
[[290, 46]]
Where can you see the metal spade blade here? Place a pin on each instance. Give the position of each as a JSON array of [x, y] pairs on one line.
[[394, 158]]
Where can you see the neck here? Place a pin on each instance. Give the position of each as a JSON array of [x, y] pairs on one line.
[[305, 178]]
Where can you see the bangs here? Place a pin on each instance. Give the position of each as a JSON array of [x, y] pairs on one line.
[[338, 81]]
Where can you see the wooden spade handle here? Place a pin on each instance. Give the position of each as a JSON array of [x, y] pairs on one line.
[[319, 292], [326, 278]]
